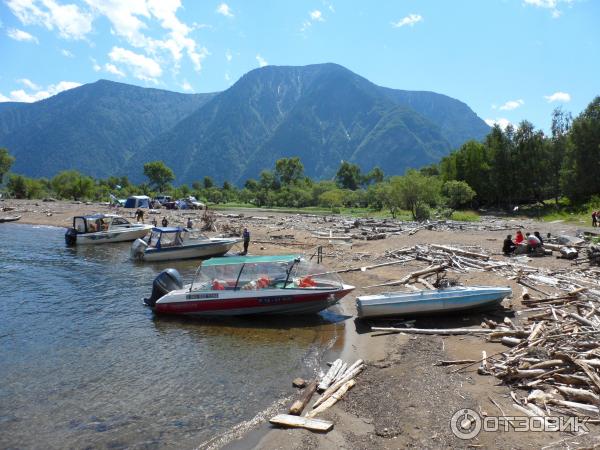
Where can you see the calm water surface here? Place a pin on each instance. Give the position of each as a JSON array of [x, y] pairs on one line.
[[84, 364]]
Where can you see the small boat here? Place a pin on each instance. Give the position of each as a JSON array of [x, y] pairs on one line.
[[168, 243], [103, 229], [430, 301], [9, 219], [248, 285]]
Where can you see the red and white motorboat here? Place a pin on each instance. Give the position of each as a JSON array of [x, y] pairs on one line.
[[248, 285]]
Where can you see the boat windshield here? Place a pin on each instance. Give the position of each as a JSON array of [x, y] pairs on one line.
[[160, 238], [255, 275]]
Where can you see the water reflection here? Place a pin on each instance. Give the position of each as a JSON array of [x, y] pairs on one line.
[[85, 364]]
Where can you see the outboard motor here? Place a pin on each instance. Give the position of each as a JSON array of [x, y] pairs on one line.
[[166, 281], [137, 249], [71, 237]]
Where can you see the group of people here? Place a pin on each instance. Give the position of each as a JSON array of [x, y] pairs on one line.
[[522, 244]]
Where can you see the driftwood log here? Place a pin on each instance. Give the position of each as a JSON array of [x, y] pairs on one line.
[[299, 405]]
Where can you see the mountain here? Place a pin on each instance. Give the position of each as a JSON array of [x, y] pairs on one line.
[[322, 113], [95, 128]]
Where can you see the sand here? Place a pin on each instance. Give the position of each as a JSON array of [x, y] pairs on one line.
[[402, 399]]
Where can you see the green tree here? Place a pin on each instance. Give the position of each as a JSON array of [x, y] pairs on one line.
[[6, 162], [208, 182], [580, 177], [561, 124], [72, 184], [289, 170], [332, 199], [375, 175], [158, 174], [458, 193], [413, 191], [348, 176], [17, 186]]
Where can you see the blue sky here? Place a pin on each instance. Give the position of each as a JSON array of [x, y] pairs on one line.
[[509, 60]]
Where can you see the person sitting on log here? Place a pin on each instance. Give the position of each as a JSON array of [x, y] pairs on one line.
[[532, 242], [519, 237], [508, 248], [537, 235]]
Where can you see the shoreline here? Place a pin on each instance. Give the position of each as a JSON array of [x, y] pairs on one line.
[[400, 399]]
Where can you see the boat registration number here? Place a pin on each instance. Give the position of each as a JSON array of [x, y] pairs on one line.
[[200, 296], [270, 300]]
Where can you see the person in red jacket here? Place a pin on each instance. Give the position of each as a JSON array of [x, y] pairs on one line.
[[519, 238]]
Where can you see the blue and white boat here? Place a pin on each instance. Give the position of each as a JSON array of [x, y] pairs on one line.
[[169, 243], [430, 301], [103, 229]]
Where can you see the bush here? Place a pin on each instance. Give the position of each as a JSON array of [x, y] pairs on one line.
[[422, 212]]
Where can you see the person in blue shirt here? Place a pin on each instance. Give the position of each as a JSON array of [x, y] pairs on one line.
[[246, 236]]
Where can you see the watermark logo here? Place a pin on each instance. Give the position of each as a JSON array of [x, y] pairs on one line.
[[467, 424]]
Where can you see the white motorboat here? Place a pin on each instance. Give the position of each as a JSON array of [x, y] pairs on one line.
[[168, 243], [104, 228], [430, 301], [248, 285]]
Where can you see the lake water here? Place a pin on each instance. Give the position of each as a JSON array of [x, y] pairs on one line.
[[83, 364]]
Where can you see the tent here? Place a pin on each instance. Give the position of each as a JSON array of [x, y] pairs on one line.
[[138, 201]]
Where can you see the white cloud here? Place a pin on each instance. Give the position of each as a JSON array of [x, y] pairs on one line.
[[20, 35], [111, 68], [20, 95], [28, 83], [552, 5], [186, 86], [4, 98], [329, 6], [95, 65], [512, 104], [142, 67], [501, 122], [558, 97], [224, 10], [262, 62], [70, 21], [67, 53], [228, 55], [316, 16], [227, 77], [126, 18], [410, 20]]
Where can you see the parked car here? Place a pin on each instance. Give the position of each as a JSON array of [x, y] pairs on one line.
[[192, 203], [162, 199]]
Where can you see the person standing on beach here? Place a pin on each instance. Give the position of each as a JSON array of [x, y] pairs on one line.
[[139, 215], [189, 224], [154, 222], [594, 218], [246, 236], [165, 222]]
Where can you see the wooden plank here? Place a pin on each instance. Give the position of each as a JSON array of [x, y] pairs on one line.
[[288, 420], [330, 375]]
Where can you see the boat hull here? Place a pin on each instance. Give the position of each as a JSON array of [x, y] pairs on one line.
[[247, 303], [107, 237], [429, 302], [203, 250]]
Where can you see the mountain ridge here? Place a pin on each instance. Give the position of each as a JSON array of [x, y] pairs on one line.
[[323, 113]]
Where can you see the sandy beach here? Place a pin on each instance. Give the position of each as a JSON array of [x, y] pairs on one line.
[[401, 400]]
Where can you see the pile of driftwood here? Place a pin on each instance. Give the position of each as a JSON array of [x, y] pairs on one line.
[[332, 386], [555, 358]]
